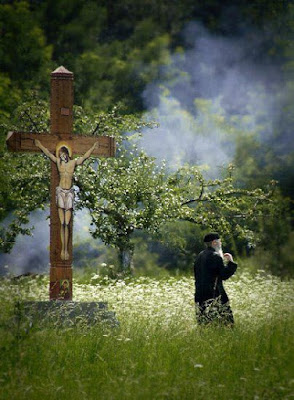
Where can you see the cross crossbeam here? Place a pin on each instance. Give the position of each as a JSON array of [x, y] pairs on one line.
[[24, 142]]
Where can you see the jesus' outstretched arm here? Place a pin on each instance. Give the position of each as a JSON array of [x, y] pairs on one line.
[[45, 151], [80, 160]]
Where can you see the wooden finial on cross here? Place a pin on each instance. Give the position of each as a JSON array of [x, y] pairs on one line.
[[60, 145]]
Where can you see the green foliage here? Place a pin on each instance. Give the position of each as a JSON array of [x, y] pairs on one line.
[[176, 244], [220, 205], [23, 50], [118, 72], [24, 178], [24, 186], [113, 123], [32, 115], [10, 95], [24, 53], [125, 194], [115, 51], [73, 26]]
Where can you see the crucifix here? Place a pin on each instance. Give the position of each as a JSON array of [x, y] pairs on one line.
[[60, 145]]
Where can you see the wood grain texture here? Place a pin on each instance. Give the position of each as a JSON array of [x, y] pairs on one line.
[[62, 98]]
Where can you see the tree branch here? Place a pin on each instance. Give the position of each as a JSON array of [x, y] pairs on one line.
[[199, 198], [97, 128], [32, 121], [239, 192]]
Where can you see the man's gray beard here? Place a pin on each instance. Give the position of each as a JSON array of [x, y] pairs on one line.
[[219, 251]]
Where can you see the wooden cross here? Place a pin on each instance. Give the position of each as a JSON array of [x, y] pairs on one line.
[[60, 136]]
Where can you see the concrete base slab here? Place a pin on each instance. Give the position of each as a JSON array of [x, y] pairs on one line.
[[66, 313]]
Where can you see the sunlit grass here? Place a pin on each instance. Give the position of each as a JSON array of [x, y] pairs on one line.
[[158, 352]]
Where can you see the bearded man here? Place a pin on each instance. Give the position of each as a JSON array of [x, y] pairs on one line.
[[210, 269]]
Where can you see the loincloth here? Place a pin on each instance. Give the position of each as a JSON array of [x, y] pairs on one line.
[[65, 198]]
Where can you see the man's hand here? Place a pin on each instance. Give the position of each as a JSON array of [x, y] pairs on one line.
[[37, 142], [228, 257], [96, 145]]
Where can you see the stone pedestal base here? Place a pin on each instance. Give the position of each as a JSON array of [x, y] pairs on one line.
[[69, 313]]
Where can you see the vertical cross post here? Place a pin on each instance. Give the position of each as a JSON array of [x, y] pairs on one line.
[[61, 124]]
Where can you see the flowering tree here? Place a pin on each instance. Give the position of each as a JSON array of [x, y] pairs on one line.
[[221, 205], [125, 194]]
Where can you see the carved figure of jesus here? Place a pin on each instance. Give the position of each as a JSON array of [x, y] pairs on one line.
[[65, 191]]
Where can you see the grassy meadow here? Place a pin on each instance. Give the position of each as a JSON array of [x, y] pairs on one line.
[[158, 351]]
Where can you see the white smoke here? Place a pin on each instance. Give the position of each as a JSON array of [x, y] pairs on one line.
[[216, 85], [31, 253]]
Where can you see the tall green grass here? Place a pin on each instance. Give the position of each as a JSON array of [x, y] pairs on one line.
[[158, 352]]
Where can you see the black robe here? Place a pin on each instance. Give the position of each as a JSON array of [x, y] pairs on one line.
[[210, 271]]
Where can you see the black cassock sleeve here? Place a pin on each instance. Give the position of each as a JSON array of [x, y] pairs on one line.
[[225, 271]]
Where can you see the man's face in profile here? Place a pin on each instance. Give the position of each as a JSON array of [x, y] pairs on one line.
[[217, 244]]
